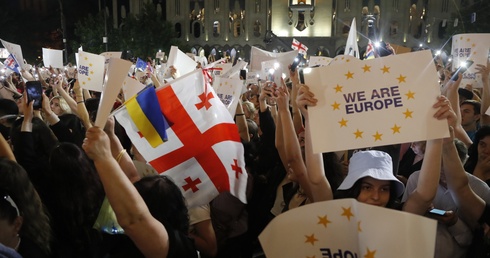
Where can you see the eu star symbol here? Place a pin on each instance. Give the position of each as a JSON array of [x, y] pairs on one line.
[[86, 58], [336, 106], [401, 78], [349, 75], [408, 113], [359, 229], [370, 254], [338, 88], [343, 122], [347, 212], [311, 239], [377, 136], [358, 134], [90, 64], [323, 220], [396, 129], [410, 95], [366, 68], [385, 69]]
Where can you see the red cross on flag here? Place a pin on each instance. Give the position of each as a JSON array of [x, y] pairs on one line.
[[203, 154], [296, 45]]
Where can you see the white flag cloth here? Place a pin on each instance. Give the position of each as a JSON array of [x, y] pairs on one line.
[[53, 58], [16, 51], [203, 154], [347, 228], [228, 91], [474, 47], [91, 71], [375, 102], [351, 47]]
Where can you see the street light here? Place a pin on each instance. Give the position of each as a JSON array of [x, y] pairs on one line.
[[63, 30]]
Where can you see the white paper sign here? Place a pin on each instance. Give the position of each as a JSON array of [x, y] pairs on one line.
[[347, 228], [375, 102], [472, 47], [53, 58], [15, 50]]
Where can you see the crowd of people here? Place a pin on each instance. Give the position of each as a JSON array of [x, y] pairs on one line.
[[70, 189]]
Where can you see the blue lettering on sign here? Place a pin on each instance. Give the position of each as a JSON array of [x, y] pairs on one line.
[[83, 70], [382, 98]]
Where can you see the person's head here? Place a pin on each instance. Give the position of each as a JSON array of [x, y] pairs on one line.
[[77, 195], [470, 113], [44, 139], [249, 109], [165, 201], [8, 112], [464, 94], [59, 106], [480, 149], [21, 210], [10, 220], [92, 105], [370, 179], [418, 147]]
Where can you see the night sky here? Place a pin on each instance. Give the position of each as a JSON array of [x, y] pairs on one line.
[[34, 28]]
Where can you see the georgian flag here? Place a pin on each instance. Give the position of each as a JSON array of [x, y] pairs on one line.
[[296, 45], [203, 154]]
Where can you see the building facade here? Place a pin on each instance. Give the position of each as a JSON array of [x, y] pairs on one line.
[[219, 27]]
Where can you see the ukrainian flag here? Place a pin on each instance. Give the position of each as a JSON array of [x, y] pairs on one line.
[[144, 110]]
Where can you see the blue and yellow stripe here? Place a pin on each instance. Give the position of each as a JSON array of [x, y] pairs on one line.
[[144, 110]]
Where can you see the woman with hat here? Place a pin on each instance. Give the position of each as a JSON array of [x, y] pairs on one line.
[[370, 178]]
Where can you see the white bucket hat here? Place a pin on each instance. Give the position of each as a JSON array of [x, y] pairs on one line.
[[372, 163]]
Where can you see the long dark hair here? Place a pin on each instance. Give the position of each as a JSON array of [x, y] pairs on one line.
[[166, 204], [473, 149], [15, 182], [355, 190], [77, 195]]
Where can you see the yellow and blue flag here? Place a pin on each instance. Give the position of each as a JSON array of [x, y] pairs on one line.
[[144, 110]]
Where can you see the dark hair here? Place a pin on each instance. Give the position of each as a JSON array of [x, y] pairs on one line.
[[77, 196], [355, 190], [15, 182], [92, 106], [8, 107], [473, 149], [333, 169], [166, 204], [44, 140], [476, 105]]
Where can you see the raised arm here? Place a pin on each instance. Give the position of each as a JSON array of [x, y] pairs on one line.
[[485, 99], [320, 187], [294, 159], [119, 153], [297, 118], [470, 205], [420, 200], [69, 100], [451, 92], [148, 234], [241, 122]]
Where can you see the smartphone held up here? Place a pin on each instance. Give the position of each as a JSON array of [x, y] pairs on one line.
[[34, 92]]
